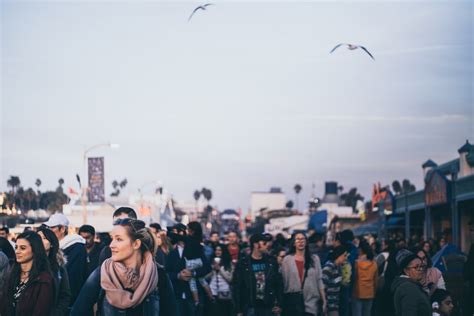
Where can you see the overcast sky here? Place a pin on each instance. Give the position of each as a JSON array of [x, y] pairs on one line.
[[243, 97]]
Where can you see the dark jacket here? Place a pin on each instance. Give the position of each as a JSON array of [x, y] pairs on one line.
[[243, 285], [175, 264], [35, 300], [76, 267], [63, 295], [92, 293], [92, 258], [409, 298]]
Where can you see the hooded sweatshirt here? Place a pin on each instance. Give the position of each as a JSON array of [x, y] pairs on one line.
[[74, 250], [409, 298], [366, 273]]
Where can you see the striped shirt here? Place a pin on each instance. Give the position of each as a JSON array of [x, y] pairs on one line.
[[332, 281]]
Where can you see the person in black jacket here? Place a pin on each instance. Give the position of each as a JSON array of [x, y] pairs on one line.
[[93, 248], [73, 247], [257, 286], [179, 275]]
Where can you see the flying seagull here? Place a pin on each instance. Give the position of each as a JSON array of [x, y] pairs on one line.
[[352, 47], [201, 7]]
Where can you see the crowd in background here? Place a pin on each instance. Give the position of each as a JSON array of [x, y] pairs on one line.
[[150, 270]]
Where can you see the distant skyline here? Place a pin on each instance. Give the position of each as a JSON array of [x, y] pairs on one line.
[[243, 97]]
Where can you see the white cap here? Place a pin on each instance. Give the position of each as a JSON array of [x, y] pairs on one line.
[[56, 220]]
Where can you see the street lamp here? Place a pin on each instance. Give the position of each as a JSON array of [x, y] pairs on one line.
[[85, 184]]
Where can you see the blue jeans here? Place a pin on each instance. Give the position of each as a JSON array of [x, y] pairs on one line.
[[361, 307]]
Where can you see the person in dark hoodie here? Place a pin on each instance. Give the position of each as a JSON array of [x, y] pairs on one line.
[[408, 296], [73, 247]]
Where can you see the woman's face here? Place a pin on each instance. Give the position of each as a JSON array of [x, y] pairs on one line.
[[446, 306], [158, 240], [426, 247], [218, 251], [300, 242], [23, 251], [415, 269], [46, 243], [122, 246], [280, 257]]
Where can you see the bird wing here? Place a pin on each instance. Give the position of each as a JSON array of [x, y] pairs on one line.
[[336, 47], [200, 7], [367, 52]]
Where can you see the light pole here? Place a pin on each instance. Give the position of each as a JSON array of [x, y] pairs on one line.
[[84, 186]]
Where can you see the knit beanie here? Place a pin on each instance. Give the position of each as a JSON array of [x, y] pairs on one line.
[[404, 257]]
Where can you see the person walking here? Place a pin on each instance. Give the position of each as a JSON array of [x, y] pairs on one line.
[[56, 258], [332, 278], [220, 280], [409, 298], [303, 285], [30, 284], [365, 281], [257, 285], [130, 282]]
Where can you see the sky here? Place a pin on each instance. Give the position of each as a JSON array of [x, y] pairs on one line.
[[243, 97]]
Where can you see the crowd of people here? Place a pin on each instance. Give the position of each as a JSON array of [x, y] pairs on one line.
[[148, 270]]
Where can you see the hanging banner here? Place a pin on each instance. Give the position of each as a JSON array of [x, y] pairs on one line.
[[96, 179]]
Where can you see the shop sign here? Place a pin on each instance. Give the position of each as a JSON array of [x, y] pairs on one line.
[[436, 189]]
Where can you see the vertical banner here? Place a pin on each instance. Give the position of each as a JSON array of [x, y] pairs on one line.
[[96, 179]]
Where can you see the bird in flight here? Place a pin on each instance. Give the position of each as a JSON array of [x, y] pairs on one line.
[[201, 7], [352, 47]]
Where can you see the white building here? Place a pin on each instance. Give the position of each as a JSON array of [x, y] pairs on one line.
[[275, 199]]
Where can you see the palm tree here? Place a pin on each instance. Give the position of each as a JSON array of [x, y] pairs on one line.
[[207, 194], [350, 198], [30, 196], [397, 188], [197, 195], [289, 205], [297, 189], [13, 182]]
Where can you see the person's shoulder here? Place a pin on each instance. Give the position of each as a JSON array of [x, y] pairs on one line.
[[44, 277]]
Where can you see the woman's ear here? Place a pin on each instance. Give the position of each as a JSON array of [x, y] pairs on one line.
[[137, 244]]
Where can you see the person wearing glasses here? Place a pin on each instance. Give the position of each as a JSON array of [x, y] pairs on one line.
[[257, 286], [302, 279], [432, 277], [409, 298], [130, 282]]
